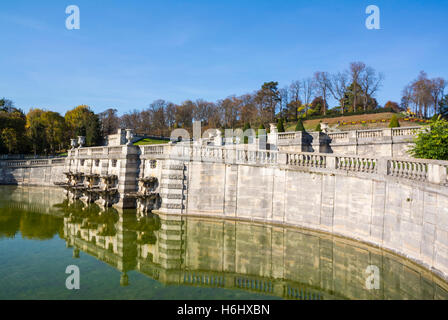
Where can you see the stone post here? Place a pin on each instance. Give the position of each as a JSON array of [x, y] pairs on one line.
[[353, 141], [331, 162], [127, 176], [282, 158], [382, 166], [436, 173], [387, 137]]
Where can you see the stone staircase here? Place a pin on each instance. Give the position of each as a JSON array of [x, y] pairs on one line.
[[173, 187]]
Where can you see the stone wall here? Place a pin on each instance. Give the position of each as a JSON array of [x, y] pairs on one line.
[[405, 216], [32, 172]]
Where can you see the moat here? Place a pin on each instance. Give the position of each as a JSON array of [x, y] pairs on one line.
[[122, 255]]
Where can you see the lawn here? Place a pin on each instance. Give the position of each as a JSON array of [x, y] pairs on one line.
[[146, 141]]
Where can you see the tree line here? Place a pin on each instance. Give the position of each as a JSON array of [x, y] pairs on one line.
[[354, 89]]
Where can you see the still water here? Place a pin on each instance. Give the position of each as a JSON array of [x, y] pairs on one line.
[[160, 257]]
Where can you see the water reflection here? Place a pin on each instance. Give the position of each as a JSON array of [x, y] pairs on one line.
[[264, 259]]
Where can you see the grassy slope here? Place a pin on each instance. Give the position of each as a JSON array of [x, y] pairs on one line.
[[310, 125]]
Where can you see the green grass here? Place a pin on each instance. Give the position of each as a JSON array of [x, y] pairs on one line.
[[149, 141]]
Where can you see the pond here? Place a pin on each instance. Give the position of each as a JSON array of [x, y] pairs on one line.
[[120, 256]]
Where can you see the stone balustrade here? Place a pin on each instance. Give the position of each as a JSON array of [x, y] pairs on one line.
[[431, 171], [32, 162], [386, 142]]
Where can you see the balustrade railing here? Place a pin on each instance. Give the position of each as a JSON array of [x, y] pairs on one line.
[[408, 169], [286, 135], [308, 160], [408, 131], [154, 149], [377, 133], [336, 136], [356, 164]]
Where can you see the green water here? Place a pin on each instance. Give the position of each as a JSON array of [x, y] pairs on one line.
[[120, 256]]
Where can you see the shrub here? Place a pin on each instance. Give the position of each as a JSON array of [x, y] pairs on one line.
[[432, 143], [280, 127], [299, 126], [318, 128], [394, 122]]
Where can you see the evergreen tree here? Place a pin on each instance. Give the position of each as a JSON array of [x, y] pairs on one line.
[[318, 128], [299, 126], [246, 127], [394, 122], [280, 127]]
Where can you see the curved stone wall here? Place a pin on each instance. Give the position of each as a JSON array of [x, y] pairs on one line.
[[402, 215]]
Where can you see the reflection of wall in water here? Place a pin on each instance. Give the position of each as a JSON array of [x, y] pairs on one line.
[[260, 258], [33, 199]]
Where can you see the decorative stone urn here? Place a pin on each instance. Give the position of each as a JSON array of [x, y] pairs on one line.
[[73, 143], [129, 137], [81, 141]]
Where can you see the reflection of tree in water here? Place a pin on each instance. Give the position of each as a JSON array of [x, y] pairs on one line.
[[91, 217], [145, 228], [9, 222], [30, 224]]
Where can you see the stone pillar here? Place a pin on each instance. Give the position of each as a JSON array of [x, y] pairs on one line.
[[436, 173], [127, 176], [382, 166], [320, 142], [331, 162], [353, 141], [282, 158]]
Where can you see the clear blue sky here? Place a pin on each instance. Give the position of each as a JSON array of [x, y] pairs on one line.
[[129, 53]]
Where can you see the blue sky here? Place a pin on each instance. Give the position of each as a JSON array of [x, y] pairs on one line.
[[129, 53]]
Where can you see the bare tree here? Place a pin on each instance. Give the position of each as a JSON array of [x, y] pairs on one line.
[[249, 111], [284, 99], [437, 91], [109, 121], [295, 91], [369, 81], [308, 89], [170, 115], [230, 110], [323, 85], [356, 69], [338, 88]]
